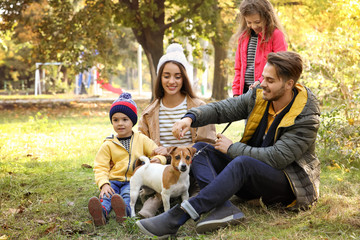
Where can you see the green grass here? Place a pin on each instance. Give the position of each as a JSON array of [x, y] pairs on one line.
[[44, 188]]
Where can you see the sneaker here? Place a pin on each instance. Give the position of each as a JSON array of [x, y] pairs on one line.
[[119, 207], [96, 211], [220, 217]]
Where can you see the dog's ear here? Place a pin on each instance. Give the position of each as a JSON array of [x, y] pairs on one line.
[[192, 151], [170, 149]]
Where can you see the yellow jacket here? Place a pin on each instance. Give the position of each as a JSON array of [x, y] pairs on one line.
[[123, 161]]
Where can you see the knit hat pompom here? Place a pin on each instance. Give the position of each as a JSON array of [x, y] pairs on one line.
[[174, 52], [124, 104], [175, 47]]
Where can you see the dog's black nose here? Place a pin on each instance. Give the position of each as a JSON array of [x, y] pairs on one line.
[[183, 168]]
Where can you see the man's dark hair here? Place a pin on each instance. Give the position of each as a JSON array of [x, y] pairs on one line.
[[288, 65]]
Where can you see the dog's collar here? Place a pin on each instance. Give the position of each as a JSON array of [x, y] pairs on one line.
[[168, 159]]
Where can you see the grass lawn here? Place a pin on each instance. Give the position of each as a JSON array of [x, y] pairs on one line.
[[45, 184]]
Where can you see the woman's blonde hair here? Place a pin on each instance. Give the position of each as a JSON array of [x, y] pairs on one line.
[[186, 88], [267, 14]]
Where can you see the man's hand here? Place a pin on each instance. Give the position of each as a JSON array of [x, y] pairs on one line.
[[107, 190], [181, 127], [222, 143]]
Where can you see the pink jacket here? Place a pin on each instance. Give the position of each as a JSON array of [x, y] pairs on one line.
[[275, 44]]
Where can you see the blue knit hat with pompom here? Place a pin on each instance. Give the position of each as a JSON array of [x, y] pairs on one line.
[[125, 105]]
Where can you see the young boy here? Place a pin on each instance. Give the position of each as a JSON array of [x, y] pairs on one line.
[[115, 162]]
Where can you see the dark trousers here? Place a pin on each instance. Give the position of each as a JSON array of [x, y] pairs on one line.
[[221, 177]]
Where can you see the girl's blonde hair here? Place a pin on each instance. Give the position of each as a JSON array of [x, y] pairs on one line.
[[267, 14], [186, 88]]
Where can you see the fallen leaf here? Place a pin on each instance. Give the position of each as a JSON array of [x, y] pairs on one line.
[[51, 229], [21, 209], [40, 222], [88, 222], [351, 121], [5, 226], [3, 237], [86, 165], [13, 210]]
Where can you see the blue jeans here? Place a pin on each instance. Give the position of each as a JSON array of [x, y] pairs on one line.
[[221, 177], [121, 188]]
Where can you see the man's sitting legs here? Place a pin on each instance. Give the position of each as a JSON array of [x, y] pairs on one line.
[[243, 176]]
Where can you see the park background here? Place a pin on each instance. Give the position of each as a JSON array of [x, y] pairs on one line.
[[48, 141]]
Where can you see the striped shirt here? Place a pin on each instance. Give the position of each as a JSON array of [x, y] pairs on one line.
[[167, 118], [251, 54]]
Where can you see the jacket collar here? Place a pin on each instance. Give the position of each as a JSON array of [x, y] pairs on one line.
[[260, 107]]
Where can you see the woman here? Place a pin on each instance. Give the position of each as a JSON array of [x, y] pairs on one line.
[[260, 33], [173, 97]]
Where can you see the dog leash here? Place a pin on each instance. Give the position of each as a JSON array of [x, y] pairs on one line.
[[199, 151]]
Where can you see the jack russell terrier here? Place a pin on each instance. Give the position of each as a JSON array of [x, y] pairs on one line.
[[168, 180]]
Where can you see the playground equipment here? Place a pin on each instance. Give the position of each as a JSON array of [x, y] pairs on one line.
[[107, 86], [83, 81], [37, 75]]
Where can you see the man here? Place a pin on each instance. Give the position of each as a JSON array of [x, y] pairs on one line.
[[275, 160]]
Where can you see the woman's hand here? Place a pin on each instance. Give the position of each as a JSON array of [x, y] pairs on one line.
[[107, 190], [155, 160], [160, 151]]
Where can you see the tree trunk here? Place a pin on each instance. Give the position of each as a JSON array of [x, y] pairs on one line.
[[128, 79], [65, 75], [220, 76], [152, 44], [151, 39], [220, 42]]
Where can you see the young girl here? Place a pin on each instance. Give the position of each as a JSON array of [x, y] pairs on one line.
[[260, 33], [115, 162], [173, 97]]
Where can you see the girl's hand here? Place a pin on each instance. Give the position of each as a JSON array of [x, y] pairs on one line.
[[107, 190], [254, 84]]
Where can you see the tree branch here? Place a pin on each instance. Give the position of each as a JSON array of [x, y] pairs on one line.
[[182, 18]]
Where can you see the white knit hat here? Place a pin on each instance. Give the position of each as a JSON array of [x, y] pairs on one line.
[[175, 52]]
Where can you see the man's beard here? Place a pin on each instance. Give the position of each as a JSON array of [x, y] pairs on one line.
[[277, 96]]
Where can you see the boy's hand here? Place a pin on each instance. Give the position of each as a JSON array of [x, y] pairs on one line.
[[155, 160], [107, 190]]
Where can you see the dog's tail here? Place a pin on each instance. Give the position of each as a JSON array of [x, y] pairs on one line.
[[145, 160]]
